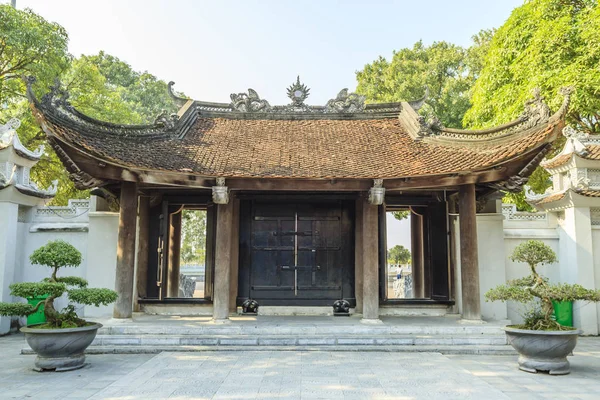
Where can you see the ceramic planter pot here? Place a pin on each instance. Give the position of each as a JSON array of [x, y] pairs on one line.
[[60, 349], [543, 350]]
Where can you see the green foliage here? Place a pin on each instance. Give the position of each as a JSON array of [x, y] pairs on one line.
[[16, 309], [56, 254], [37, 289], [547, 44], [73, 281], [101, 86], [93, 296], [193, 237], [536, 287], [400, 215], [398, 255], [533, 253], [449, 71], [29, 45]]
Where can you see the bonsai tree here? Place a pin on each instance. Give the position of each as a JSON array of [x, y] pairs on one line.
[[536, 287], [57, 254]]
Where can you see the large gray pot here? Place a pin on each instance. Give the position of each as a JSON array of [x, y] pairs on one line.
[[60, 349], [543, 350]]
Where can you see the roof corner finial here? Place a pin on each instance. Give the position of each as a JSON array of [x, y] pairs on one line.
[[29, 81], [566, 92], [536, 110], [417, 104], [178, 100]]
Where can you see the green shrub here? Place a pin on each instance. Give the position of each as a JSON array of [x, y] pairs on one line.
[[536, 287], [57, 254]]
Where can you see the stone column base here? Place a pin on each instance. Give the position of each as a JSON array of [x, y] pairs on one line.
[[371, 321]]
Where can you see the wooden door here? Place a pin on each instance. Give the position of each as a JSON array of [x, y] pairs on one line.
[[298, 253]]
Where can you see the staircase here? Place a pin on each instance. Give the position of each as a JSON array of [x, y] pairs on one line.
[[154, 334]]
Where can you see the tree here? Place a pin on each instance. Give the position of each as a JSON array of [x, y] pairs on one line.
[[546, 44], [535, 286], [29, 45], [193, 237], [57, 254], [447, 70], [398, 255], [101, 86]]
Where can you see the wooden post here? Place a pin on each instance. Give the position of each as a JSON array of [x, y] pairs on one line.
[[142, 250], [222, 262], [235, 249], [358, 256], [416, 235], [469, 266], [370, 256], [126, 250], [174, 254]]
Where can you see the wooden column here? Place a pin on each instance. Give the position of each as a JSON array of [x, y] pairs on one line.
[[370, 245], [416, 238], [222, 262], [235, 249], [142, 250], [174, 254], [123, 307], [469, 265], [358, 256]]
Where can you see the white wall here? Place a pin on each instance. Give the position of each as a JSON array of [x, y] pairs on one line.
[[24, 229]]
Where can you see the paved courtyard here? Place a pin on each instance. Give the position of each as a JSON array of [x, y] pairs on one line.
[[297, 375]]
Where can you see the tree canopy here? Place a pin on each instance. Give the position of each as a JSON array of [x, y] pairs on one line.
[[101, 86], [399, 255], [544, 44], [447, 70]]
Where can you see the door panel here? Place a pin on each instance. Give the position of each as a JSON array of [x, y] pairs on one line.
[[296, 253]]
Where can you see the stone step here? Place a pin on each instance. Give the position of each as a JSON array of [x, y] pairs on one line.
[[300, 329], [443, 349], [304, 340]]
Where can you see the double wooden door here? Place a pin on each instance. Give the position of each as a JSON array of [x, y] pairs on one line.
[[296, 253]]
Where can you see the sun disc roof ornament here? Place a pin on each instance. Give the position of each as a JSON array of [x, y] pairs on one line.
[[298, 92]]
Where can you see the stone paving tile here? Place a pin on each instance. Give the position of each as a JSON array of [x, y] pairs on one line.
[[297, 375]]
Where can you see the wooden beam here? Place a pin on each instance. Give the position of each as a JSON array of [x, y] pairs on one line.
[[469, 265], [142, 250], [223, 262], [358, 255], [123, 307], [174, 254], [370, 233], [235, 247]]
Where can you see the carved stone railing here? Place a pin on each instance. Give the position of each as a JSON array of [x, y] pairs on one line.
[[75, 210], [511, 214]]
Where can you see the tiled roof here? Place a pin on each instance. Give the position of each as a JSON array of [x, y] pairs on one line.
[[551, 198], [375, 141], [589, 193], [557, 161], [319, 148], [593, 153]]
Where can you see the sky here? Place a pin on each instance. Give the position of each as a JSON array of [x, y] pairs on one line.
[[214, 48]]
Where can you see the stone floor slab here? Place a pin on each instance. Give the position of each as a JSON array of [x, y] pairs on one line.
[[297, 375]]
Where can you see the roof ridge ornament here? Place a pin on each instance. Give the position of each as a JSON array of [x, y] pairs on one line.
[[417, 104], [250, 102], [536, 110], [166, 120], [178, 100], [346, 103], [571, 133], [298, 92]]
